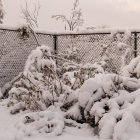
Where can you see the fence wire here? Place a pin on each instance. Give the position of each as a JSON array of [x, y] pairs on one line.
[[14, 49]]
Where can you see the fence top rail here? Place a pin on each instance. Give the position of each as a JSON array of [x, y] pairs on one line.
[[86, 32], [90, 32]]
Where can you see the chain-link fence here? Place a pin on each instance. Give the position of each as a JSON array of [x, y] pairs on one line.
[[14, 49], [90, 46]]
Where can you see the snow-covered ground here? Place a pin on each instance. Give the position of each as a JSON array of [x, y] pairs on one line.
[[7, 121], [84, 102], [8, 130]]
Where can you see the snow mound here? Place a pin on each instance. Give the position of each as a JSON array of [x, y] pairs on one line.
[[49, 122]]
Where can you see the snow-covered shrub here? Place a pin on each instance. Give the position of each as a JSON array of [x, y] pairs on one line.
[[121, 119], [49, 122], [96, 89], [68, 98], [76, 78], [38, 86], [108, 104], [133, 68], [5, 89], [67, 66], [71, 81], [93, 90]]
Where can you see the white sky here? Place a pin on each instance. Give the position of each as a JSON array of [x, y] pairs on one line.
[[114, 13]]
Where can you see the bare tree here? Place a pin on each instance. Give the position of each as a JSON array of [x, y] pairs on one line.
[[75, 20], [31, 17], [1, 12]]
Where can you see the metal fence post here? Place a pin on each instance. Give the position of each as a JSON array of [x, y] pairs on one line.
[[55, 46], [135, 44]]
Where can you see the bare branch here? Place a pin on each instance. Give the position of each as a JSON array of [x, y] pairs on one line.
[[31, 18], [76, 3], [74, 20]]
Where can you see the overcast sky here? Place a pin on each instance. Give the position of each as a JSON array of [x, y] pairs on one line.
[[114, 13]]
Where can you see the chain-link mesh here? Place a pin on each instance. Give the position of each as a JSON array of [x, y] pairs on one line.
[[90, 47], [14, 49], [138, 43]]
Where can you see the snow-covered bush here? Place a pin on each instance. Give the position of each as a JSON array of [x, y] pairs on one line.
[[106, 101], [72, 79], [123, 110], [67, 66], [133, 68], [38, 86], [76, 78]]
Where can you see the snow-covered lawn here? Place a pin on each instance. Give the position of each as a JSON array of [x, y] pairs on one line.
[[8, 130]]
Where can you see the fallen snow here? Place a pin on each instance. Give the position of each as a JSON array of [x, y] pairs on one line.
[[7, 121], [8, 131]]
